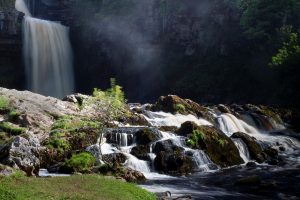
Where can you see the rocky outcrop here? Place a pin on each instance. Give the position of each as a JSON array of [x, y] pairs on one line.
[[171, 159], [141, 152], [146, 136], [220, 149], [256, 151], [11, 67], [23, 153], [175, 104]]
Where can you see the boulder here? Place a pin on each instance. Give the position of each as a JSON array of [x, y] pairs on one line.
[[167, 146], [175, 104], [255, 150], [175, 163], [187, 128], [223, 109], [141, 152], [220, 148], [114, 158], [23, 153], [146, 136], [133, 176]]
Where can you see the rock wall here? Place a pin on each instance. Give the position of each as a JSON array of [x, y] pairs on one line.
[[11, 67]]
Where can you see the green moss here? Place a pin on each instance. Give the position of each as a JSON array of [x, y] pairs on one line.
[[71, 124], [195, 138], [13, 115], [4, 103], [12, 128], [180, 108], [221, 142], [81, 162]]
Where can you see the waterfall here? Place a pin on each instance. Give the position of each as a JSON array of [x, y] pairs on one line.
[[243, 149], [229, 124], [47, 55], [168, 119]]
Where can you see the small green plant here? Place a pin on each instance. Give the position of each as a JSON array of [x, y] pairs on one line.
[[11, 128], [4, 102], [110, 103], [13, 115], [180, 108], [221, 142], [195, 138], [81, 162]]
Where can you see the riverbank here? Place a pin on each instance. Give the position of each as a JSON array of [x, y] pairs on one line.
[[72, 187]]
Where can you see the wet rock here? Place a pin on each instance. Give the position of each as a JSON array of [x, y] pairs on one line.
[[146, 136], [223, 109], [255, 150], [251, 164], [220, 148], [164, 195], [167, 146], [187, 128], [168, 128], [137, 119], [175, 104], [114, 158], [133, 176], [141, 152], [175, 163], [249, 181]]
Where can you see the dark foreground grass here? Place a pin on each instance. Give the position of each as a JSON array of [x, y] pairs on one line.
[[87, 187]]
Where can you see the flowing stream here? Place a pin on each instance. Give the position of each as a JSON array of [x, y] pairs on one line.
[[47, 55], [205, 169]]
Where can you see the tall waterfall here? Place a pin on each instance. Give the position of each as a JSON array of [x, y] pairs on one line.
[[47, 55]]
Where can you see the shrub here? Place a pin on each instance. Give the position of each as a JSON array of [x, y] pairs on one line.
[[110, 104], [81, 162]]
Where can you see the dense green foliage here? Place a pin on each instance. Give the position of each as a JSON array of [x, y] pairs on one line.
[[81, 162], [73, 187]]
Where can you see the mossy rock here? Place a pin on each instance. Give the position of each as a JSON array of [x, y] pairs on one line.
[[220, 148], [175, 104], [187, 128], [141, 152], [146, 136]]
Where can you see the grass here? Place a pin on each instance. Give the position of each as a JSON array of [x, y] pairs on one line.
[[72, 188]]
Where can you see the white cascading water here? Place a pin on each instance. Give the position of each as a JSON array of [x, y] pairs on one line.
[[243, 149], [168, 119], [230, 124], [47, 55]]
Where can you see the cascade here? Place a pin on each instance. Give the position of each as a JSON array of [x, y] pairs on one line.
[[243, 149], [47, 55]]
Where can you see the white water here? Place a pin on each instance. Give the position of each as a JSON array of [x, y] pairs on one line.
[[229, 124], [243, 149], [47, 55], [168, 119]]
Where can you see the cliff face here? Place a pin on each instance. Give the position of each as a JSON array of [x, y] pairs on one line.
[[11, 68]]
